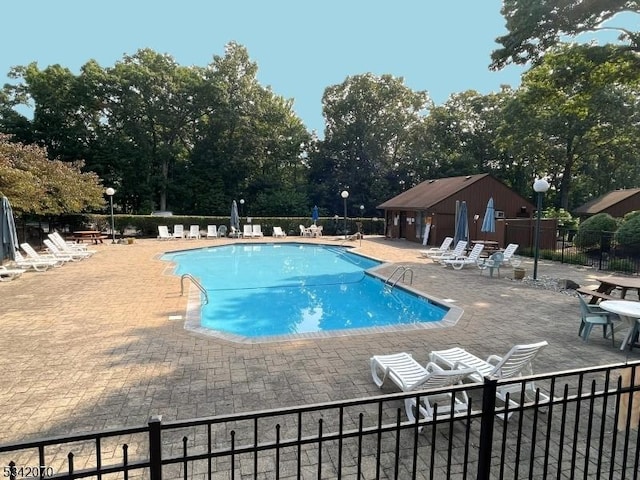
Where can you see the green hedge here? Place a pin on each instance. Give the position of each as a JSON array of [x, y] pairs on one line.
[[147, 225]]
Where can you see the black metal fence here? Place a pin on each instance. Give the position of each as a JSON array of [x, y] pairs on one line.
[[601, 251], [589, 429]]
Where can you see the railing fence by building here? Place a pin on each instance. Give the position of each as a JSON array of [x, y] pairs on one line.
[[589, 429], [602, 250]]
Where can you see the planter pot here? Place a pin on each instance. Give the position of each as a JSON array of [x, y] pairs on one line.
[[518, 273], [130, 240]]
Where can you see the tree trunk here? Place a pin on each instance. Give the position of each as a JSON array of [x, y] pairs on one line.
[[565, 183]]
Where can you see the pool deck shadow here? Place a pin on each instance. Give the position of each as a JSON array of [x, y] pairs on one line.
[[96, 344]]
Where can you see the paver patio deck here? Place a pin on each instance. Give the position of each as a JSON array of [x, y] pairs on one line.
[[90, 345]]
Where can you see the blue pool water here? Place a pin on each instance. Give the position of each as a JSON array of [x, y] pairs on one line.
[[261, 290]]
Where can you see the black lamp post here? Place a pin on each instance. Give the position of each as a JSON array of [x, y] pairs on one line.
[[540, 186], [344, 196], [111, 192], [241, 207]]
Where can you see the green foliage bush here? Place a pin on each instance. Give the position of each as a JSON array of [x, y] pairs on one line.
[[147, 225], [628, 234], [592, 233], [565, 219], [622, 265], [628, 216]]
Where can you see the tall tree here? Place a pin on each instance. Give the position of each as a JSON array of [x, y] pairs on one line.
[[367, 136], [66, 114], [570, 112], [150, 103], [462, 135], [535, 26], [249, 143]]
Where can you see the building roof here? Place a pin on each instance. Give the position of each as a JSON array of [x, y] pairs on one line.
[[603, 202], [431, 192]]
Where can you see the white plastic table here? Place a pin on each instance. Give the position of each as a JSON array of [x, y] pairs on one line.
[[628, 311]]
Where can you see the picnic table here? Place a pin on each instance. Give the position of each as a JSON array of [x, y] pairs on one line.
[[94, 236], [610, 284]]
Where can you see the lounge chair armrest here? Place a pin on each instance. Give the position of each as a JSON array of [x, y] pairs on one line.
[[460, 366], [434, 367], [494, 359], [391, 372]]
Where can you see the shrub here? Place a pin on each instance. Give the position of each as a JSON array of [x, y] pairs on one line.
[[628, 216], [628, 235], [595, 232], [622, 265]]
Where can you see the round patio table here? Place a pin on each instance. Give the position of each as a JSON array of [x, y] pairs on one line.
[[629, 312]]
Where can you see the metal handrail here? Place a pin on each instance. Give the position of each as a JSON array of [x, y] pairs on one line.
[[196, 283], [404, 271]]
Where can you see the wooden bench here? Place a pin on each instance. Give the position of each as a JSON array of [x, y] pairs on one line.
[[595, 295]]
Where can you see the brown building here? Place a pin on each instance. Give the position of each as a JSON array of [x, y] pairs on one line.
[[617, 203], [433, 203]]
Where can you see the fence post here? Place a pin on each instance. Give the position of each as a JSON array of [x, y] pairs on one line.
[[155, 448], [486, 428]]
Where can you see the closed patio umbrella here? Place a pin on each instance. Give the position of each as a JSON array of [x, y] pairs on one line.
[[489, 221], [462, 224], [235, 218], [8, 235], [315, 214]]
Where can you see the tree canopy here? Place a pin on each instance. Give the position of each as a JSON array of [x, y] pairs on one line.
[[192, 139], [35, 184], [535, 26]]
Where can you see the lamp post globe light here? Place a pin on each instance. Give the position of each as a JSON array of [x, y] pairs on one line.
[[111, 192], [540, 186], [344, 196]]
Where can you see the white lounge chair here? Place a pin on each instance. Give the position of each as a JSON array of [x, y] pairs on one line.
[[408, 375], [212, 231], [459, 262], [513, 365], [456, 252], [194, 232], [277, 232], [8, 274], [509, 255], [38, 265], [57, 253], [247, 231], [442, 249], [178, 231], [233, 232], [257, 231], [163, 233], [66, 247], [32, 254]]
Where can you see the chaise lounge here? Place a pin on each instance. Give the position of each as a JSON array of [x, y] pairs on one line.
[[516, 362], [408, 375]]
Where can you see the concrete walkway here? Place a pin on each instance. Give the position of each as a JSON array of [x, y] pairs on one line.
[[91, 345]]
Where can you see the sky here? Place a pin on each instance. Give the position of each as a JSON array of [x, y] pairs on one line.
[[301, 47]]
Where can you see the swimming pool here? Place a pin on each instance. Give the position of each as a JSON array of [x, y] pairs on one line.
[[270, 291]]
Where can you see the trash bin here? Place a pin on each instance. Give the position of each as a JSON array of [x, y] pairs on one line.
[[518, 273]]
